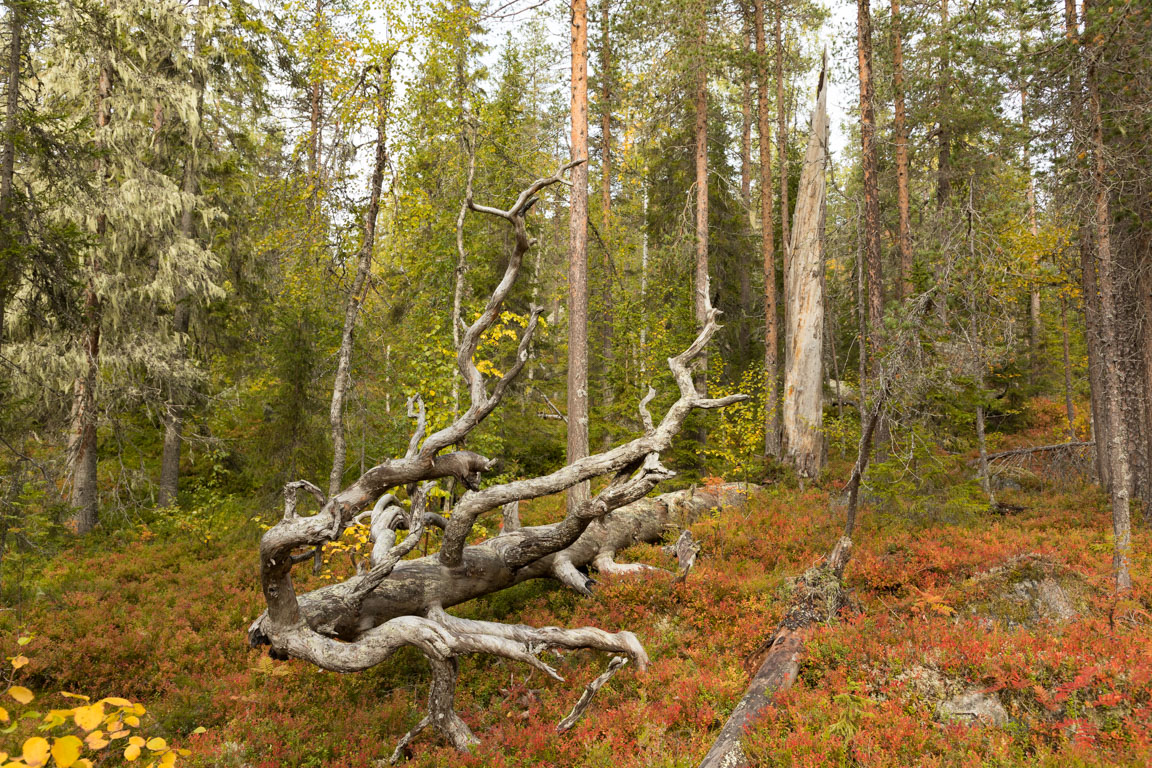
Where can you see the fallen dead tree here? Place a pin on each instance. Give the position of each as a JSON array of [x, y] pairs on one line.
[[395, 602], [817, 596]]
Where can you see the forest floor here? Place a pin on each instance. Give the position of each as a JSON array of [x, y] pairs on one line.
[[961, 649]]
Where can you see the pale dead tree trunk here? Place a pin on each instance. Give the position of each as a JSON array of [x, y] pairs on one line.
[[356, 292], [356, 624], [868, 161], [804, 356], [606, 113], [174, 407], [900, 129], [85, 501], [701, 289], [578, 256], [1117, 437], [644, 289], [467, 139], [767, 244]]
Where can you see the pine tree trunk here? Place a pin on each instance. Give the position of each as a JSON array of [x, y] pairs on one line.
[[804, 357], [900, 129], [871, 176], [578, 255], [356, 292], [1034, 324], [782, 145], [768, 246], [1117, 438], [746, 42]]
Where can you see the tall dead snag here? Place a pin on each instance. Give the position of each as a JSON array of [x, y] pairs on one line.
[[578, 255], [394, 602], [804, 354], [767, 243], [359, 287]]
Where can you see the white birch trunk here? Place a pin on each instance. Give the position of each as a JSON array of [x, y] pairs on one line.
[[804, 358]]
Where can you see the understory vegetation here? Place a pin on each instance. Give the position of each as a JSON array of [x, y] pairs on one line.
[[158, 615]]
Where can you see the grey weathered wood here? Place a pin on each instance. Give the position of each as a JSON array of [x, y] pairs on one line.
[[804, 351]]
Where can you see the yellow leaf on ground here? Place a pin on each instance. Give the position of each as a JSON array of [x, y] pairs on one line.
[[118, 734], [131, 752], [96, 740], [66, 751], [116, 701], [168, 760], [132, 720], [136, 741], [68, 695], [157, 744], [36, 751], [19, 661], [89, 717], [21, 694], [3, 719]]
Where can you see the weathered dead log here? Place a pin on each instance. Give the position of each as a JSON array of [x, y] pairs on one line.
[[818, 596], [356, 624], [1036, 449]]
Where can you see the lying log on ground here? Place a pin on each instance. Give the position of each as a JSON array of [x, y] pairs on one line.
[[818, 597]]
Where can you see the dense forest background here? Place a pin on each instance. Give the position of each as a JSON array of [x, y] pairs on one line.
[[236, 249]]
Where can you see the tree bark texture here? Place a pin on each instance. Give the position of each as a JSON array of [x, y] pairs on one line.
[[782, 140], [868, 161], [606, 112], [578, 255], [1117, 438], [767, 244], [8, 257], [900, 129], [804, 357]]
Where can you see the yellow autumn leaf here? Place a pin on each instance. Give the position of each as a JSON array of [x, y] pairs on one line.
[[36, 751], [157, 744], [96, 740], [136, 741], [118, 734], [116, 701], [3, 719], [69, 695], [19, 661], [131, 752], [132, 720], [66, 751], [168, 760], [83, 763], [89, 717], [21, 694]]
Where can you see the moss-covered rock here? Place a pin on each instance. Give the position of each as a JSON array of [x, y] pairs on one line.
[[1025, 591]]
